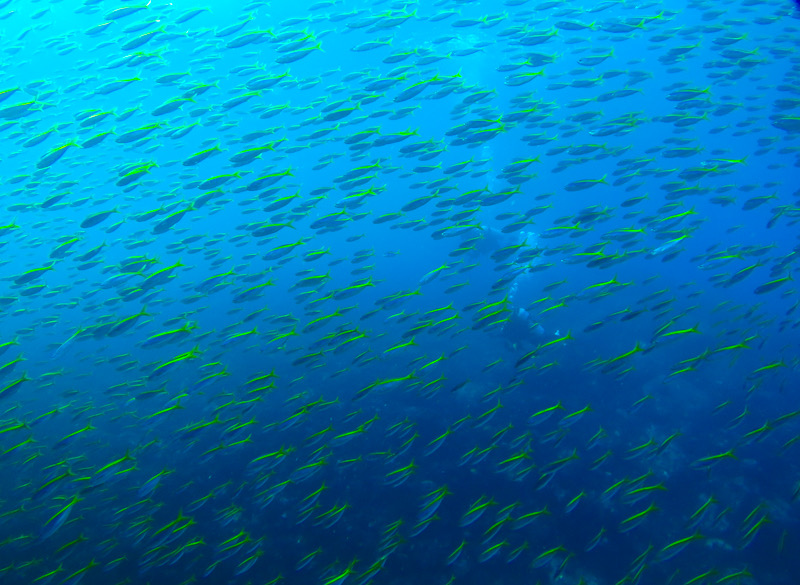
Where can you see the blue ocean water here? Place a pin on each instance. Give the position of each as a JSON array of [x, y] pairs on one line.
[[399, 292]]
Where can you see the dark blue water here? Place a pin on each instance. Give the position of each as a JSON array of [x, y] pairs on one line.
[[440, 292]]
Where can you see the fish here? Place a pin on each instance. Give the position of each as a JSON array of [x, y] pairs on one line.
[[57, 520]]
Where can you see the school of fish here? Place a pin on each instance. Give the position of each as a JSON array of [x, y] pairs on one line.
[[262, 262]]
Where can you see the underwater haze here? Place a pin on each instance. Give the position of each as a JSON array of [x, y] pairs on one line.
[[489, 292]]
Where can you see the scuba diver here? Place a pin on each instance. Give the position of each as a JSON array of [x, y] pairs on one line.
[[514, 254], [521, 329]]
